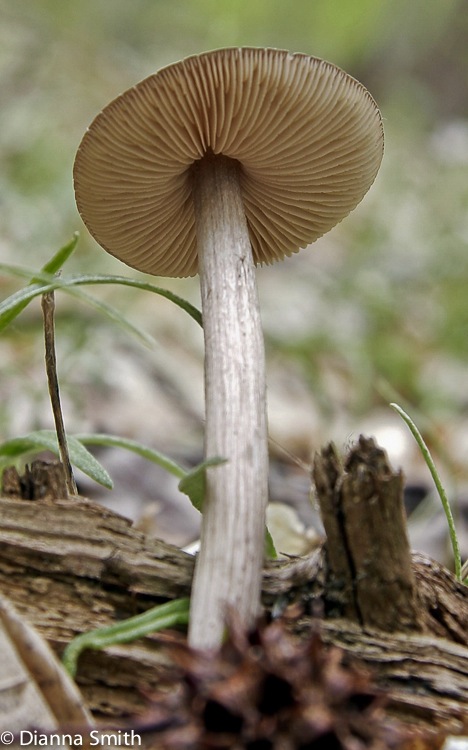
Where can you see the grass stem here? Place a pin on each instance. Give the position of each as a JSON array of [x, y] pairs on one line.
[[440, 489]]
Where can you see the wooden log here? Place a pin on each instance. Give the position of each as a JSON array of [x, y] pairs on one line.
[[70, 565]]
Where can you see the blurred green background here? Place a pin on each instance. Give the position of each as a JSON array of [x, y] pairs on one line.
[[376, 310]]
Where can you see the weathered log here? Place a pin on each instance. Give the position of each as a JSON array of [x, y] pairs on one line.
[[69, 566]]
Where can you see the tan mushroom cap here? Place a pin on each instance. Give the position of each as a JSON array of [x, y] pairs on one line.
[[308, 137]]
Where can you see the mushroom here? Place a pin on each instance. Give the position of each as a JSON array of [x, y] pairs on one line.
[[221, 162]]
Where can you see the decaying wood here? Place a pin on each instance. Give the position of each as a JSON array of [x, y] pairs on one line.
[[371, 580], [69, 566], [43, 480], [371, 576], [73, 566], [425, 678], [34, 689]]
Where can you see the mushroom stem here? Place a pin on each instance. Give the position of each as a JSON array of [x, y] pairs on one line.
[[229, 566]]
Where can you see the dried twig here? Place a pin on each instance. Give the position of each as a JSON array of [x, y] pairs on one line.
[[48, 310]]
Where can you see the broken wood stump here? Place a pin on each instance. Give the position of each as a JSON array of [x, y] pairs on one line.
[[370, 576]]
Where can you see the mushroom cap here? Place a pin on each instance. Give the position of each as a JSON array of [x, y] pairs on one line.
[[308, 137]]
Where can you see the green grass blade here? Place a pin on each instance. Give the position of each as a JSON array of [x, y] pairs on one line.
[[61, 256], [48, 283], [12, 306], [163, 616], [47, 440], [132, 445], [193, 483], [144, 286], [50, 268], [270, 549], [114, 315], [440, 489]]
